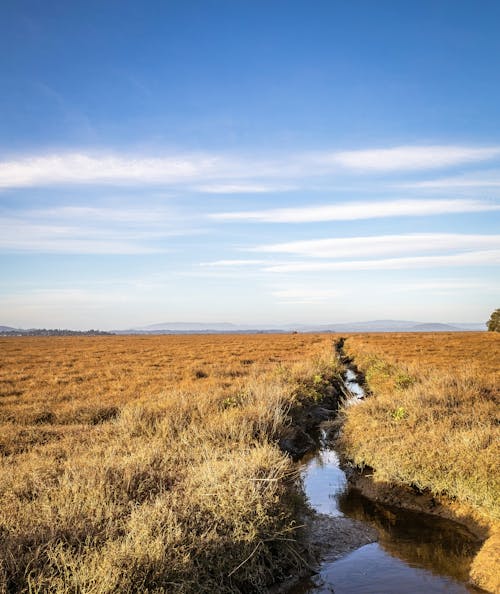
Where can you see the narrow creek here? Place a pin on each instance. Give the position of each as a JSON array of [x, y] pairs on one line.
[[407, 553]]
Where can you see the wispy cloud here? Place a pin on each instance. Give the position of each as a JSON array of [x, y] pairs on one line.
[[475, 258], [350, 211], [90, 230], [349, 247], [77, 168], [405, 158], [225, 172], [483, 179]]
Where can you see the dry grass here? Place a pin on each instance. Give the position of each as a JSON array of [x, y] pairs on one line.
[[149, 463], [432, 420]]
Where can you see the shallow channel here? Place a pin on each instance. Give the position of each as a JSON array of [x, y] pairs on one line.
[[415, 552]]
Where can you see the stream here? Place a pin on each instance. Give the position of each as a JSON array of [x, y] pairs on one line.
[[414, 552]]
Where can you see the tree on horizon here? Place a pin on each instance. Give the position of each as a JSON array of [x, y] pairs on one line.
[[494, 321]]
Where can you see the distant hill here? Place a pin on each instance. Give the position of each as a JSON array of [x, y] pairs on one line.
[[230, 328], [391, 326], [430, 327], [369, 326]]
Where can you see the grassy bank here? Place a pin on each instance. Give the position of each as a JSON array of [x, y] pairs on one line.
[[150, 464], [432, 422]]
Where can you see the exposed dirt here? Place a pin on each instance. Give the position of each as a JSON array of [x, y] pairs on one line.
[[328, 539], [331, 538]]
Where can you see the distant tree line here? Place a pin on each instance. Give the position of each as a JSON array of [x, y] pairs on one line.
[[54, 332]]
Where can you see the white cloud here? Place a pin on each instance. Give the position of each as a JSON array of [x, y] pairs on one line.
[[124, 214], [350, 211], [67, 240], [475, 258], [90, 230], [349, 247], [77, 168], [226, 173], [488, 179], [405, 158]]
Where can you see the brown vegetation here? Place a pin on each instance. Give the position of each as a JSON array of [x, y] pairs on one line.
[[150, 463], [432, 421]]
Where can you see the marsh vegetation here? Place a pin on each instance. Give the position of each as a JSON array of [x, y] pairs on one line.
[[432, 423], [133, 464], [152, 463]]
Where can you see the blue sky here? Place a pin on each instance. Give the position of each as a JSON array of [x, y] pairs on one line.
[[245, 161]]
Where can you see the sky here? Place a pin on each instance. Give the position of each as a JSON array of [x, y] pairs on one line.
[[248, 161]]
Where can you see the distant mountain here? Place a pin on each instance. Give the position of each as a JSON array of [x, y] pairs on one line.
[[470, 326], [369, 326], [399, 326], [229, 328], [431, 327]]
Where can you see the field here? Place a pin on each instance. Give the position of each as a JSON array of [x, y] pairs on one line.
[[432, 422], [150, 463]]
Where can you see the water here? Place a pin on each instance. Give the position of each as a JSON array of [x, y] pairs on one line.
[[353, 386], [415, 553], [371, 570], [324, 481]]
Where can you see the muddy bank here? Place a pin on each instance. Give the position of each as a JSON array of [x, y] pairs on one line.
[[410, 498]]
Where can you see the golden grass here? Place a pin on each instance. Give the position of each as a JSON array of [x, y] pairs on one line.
[[134, 464], [432, 419]]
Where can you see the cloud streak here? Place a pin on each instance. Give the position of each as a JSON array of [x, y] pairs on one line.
[[228, 173], [90, 230], [351, 211], [80, 168], [475, 258], [349, 247], [412, 158], [489, 179]]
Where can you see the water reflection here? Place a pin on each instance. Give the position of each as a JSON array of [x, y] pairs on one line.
[[421, 540], [371, 570], [324, 481], [416, 552], [351, 382]]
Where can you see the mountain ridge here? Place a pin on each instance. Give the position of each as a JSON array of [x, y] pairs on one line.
[[231, 328]]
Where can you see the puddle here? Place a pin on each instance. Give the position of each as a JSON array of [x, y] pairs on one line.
[[415, 552]]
